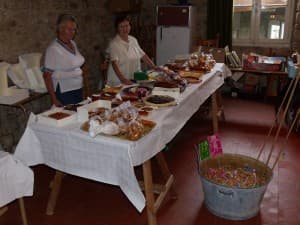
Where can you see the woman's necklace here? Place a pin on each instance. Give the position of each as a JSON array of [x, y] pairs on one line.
[[67, 45]]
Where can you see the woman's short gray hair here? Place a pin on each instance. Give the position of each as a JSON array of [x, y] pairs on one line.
[[65, 17]]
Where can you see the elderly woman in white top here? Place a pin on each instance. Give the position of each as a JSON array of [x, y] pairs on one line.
[[125, 55], [62, 73]]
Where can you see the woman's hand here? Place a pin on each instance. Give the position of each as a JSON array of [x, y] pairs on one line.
[[50, 88], [121, 77], [126, 81], [56, 102]]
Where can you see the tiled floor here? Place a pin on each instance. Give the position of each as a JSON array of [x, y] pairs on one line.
[[84, 202]]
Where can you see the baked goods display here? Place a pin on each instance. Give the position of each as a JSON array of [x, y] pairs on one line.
[[134, 93], [107, 96], [100, 111], [59, 115], [191, 74], [116, 102], [173, 81], [192, 80], [123, 121], [143, 112], [196, 62], [112, 90], [160, 100]]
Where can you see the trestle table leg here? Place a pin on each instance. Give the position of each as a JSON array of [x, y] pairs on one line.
[[150, 201], [153, 204], [56, 184], [165, 171], [3, 210], [22, 210], [214, 112]]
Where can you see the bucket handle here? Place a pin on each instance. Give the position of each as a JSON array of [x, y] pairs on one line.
[[225, 192]]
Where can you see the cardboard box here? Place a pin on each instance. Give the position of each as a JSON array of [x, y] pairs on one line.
[[45, 119]]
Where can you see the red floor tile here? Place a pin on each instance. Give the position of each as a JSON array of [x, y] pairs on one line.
[[84, 202]]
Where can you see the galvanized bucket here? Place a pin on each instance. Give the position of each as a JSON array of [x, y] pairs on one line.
[[233, 203]]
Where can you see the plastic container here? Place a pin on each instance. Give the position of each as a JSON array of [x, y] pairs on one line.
[[292, 69], [233, 203], [140, 76]]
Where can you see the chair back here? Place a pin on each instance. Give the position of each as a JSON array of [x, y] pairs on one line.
[[103, 69], [217, 53], [86, 81], [210, 42]]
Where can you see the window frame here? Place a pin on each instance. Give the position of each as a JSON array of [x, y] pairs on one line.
[[255, 26]]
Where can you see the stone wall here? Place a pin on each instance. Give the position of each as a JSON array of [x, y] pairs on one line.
[[29, 26]]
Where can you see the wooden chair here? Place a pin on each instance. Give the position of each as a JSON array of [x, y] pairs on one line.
[[210, 42], [103, 69], [86, 81]]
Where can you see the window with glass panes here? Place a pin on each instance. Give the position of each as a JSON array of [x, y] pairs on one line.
[[262, 22]]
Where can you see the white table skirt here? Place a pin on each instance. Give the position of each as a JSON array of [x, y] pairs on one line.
[[16, 179], [108, 159]]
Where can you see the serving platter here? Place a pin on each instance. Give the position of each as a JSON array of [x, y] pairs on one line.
[[159, 100], [134, 93]]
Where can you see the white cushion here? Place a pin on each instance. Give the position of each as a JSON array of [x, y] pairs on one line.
[[18, 76], [3, 75], [36, 80], [30, 60]]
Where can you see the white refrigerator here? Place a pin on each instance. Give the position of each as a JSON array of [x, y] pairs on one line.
[[175, 32]]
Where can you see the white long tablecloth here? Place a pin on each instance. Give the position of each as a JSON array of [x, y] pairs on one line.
[[108, 159], [16, 179]]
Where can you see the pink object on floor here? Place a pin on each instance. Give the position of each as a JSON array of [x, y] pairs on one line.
[[215, 146]]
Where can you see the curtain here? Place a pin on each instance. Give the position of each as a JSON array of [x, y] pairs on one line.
[[219, 21]]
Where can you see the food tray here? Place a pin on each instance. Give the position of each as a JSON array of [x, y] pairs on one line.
[[83, 111], [44, 118], [148, 126]]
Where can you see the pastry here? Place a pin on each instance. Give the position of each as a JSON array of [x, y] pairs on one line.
[[143, 113], [59, 115], [135, 130], [112, 90]]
